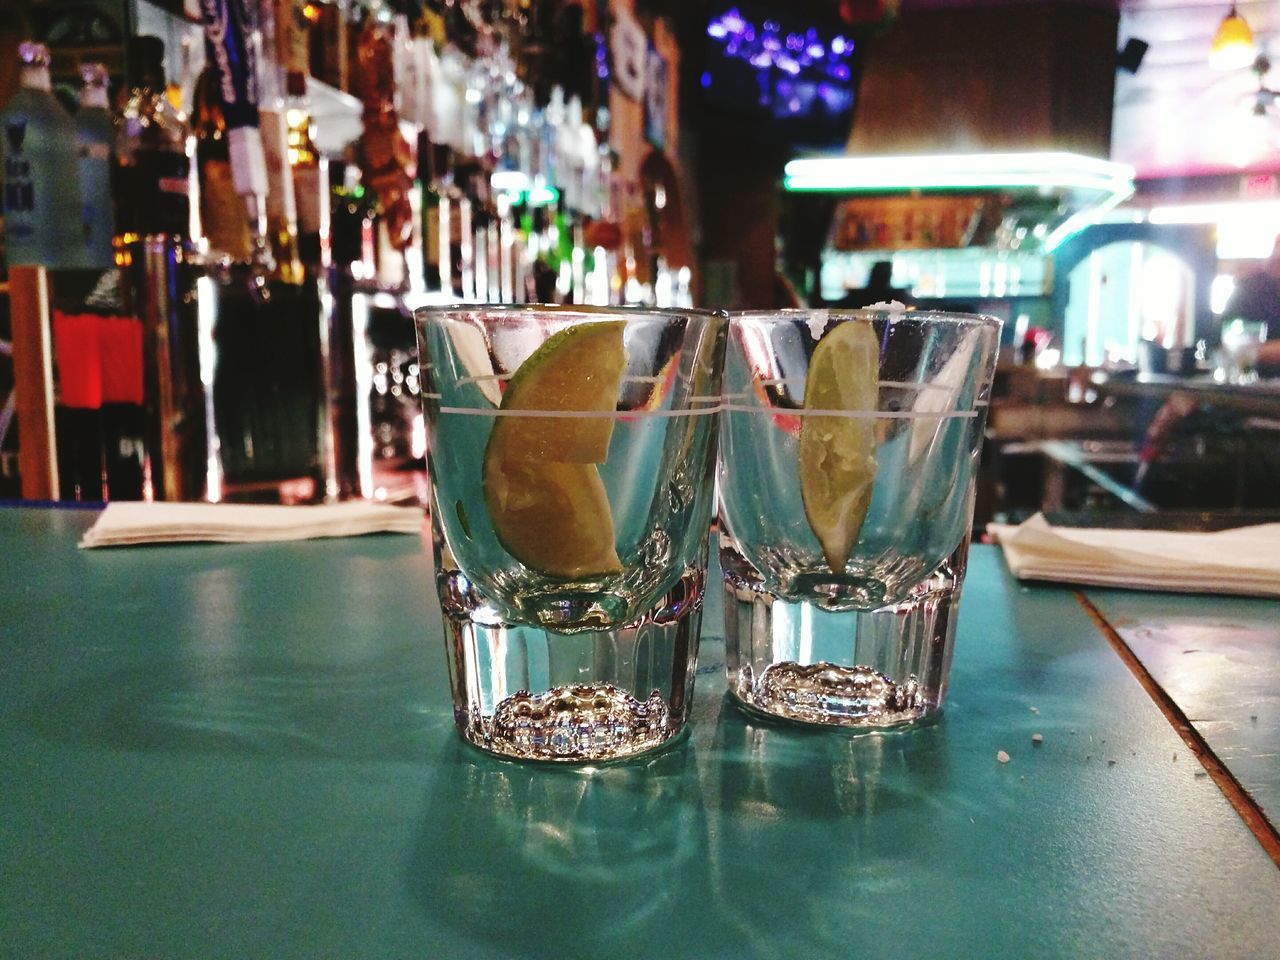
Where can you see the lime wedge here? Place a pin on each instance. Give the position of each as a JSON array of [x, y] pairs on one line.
[[838, 454], [543, 491], [578, 369]]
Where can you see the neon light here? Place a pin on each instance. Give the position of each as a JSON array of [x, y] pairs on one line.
[[1255, 210], [509, 181], [1085, 218], [768, 48], [542, 196], [1047, 171]]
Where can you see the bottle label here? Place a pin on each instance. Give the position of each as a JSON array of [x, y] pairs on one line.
[[432, 237], [164, 204], [19, 189], [222, 213], [282, 207], [228, 25], [41, 174], [308, 195]]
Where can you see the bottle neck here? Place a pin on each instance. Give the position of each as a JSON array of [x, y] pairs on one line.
[[93, 98], [36, 78]]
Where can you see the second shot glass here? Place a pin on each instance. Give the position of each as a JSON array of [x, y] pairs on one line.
[[849, 444]]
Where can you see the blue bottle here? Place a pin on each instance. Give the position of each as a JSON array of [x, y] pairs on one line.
[[96, 137], [40, 170]]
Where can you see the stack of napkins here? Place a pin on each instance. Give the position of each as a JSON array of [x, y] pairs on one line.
[[1245, 560], [127, 523]]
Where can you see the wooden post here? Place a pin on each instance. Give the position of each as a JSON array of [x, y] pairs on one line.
[[33, 382]]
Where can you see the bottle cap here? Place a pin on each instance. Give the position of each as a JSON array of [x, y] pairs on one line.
[[146, 62], [93, 74], [33, 54]]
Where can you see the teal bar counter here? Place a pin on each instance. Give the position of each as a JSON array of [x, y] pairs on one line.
[[246, 750]]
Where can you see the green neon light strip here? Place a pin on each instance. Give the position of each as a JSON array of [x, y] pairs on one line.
[[1043, 171]]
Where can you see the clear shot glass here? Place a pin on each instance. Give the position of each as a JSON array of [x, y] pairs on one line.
[[849, 445], [571, 454]]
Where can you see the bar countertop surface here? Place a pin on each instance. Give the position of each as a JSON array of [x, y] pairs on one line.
[[247, 751]]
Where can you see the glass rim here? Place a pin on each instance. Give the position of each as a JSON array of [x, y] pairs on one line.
[[804, 314], [562, 310]]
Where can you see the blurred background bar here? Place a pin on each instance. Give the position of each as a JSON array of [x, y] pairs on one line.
[[230, 268]]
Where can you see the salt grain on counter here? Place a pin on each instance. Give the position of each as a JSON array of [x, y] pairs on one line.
[[1002, 756]]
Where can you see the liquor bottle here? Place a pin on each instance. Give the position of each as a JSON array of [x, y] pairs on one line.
[[232, 42], [282, 209], [430, 159], [157, 226], [153, 153], [223, 215], [41, 175], [387, 163], [461, 238], [95, 134], [310, 170], [328, 42], [480, 220]]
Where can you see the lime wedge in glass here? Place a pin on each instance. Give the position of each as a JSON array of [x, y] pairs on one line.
[[838, 454], [541, 484]]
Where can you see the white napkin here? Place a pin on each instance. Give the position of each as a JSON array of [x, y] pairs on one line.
[[1245, 560], [124, 523]]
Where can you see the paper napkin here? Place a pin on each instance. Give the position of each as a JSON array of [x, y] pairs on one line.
[[1244, 561], [123, 523]]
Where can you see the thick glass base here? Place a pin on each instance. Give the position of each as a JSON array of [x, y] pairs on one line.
[[794, 660], [530, 693]]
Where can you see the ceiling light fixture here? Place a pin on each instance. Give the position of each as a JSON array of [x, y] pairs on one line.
[[1233, 45]]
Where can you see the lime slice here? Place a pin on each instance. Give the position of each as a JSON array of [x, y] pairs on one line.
[[544, 494], [838, 454], [578, 369]]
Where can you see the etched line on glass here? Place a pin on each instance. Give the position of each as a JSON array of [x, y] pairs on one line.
[[485, 378], [502, 377], [580, 414], [851, 414], [795, 383]]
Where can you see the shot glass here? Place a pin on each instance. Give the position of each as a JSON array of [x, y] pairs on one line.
[[571, 454], [849, 443]]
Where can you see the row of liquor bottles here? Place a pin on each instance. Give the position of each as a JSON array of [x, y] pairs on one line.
[[466, 180], [463, 180], [80, 189]]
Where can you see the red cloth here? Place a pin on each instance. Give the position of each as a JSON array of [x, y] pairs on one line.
[[121, 359], [76, 351], [99, 359]]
